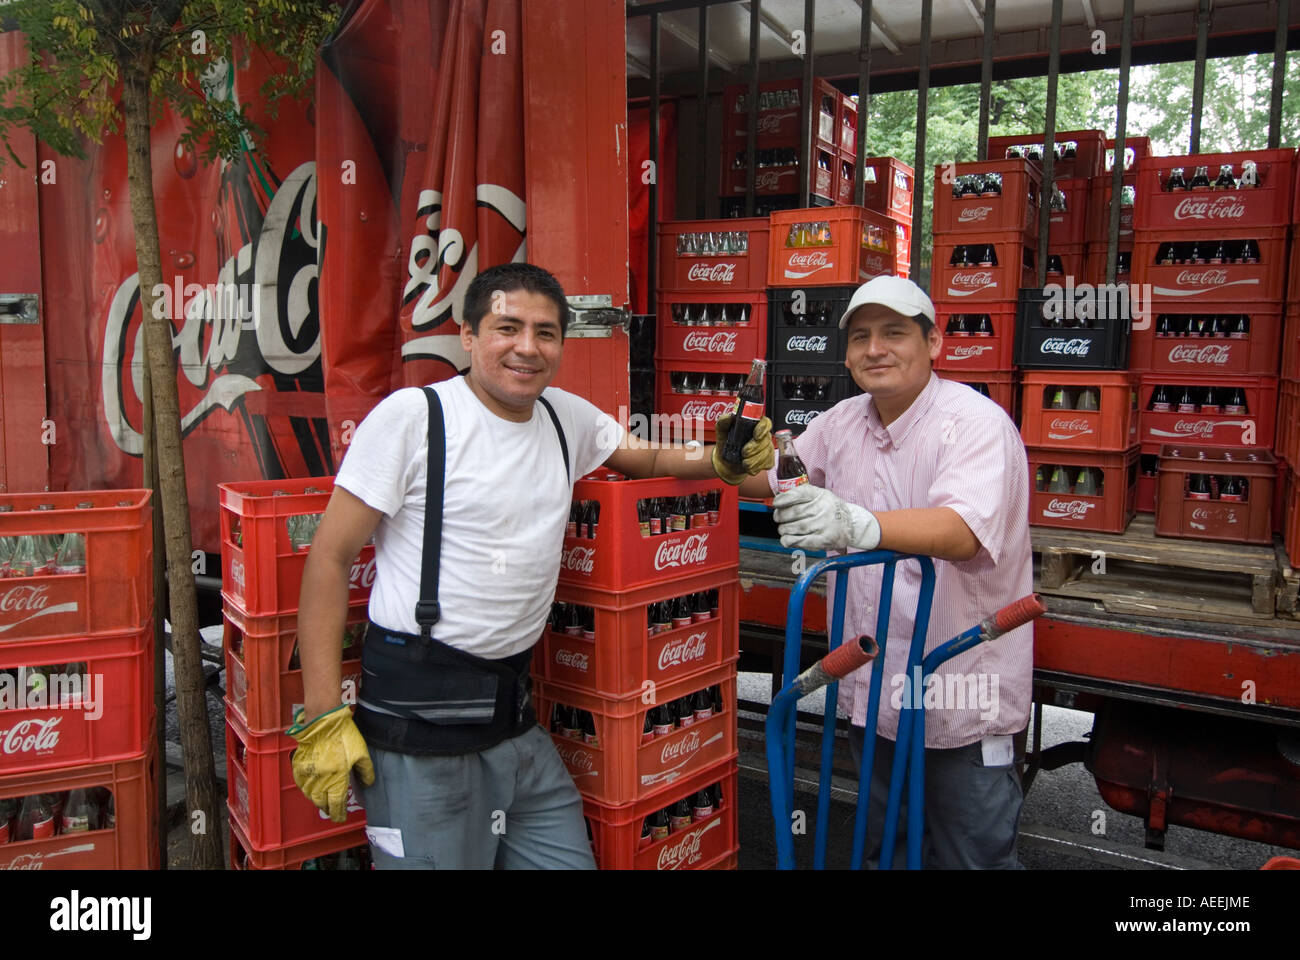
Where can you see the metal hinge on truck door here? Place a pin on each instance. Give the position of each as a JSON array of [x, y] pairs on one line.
[[18, 308], [595, 316]]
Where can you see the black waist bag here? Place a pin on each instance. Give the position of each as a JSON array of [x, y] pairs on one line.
[[421, 696]]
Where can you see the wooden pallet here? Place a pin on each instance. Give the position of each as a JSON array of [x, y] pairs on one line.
[[1288, 585], [1141, 574]]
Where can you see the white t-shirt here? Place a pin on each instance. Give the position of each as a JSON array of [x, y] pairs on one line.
[[505, 506]]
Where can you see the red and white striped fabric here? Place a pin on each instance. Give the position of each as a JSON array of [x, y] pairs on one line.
[[951, 448]]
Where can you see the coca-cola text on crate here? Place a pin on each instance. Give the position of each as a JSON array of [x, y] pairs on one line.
[[1083, 490], [1223, 411], [826, 246], [710, 327], [1079, 410], [1218, 339], [713, 256], [1250, 189], [991, 196], [975, 337], [1216, 493]]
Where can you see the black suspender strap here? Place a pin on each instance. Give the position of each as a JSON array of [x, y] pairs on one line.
[[426, 608], [564, 447]]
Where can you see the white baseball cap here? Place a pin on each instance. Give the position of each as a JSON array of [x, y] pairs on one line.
[[898, 294]]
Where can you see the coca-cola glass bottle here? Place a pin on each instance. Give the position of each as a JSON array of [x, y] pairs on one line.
[[1060, 480], [984, 326], [1239, 327], [1084, 484], [1249, 252], [1225, 180], [790, 471], [1061, 399], [1187, 402], [1210, 403], [8, 820], [1176, 181], [1236, 403], [989, 256], [1201, 179], [1198, 486], [1160, 402], [25, 560], [78, 812], [36, 819], [1087, 399], [748, 412]]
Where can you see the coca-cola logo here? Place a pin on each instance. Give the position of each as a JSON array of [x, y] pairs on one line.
[[1193, 428], [1068, 509], [804, 344], [1211, 278], [687, 850], [720, 342], [33, 735], [771, 179], [1066, 347], [873, 263], [362, 575], [30, 602], [575, 758], [1219, 514], [572, 659], [712, 273], [802, 265], [578, 559], [37, 859], [801, 417], [1217, 354], [968, 351], [1075, 428], [968, 284], [351, 803], [974, 214], [1227, 206], [237, 573], [682, 553], [678, 652], [679, 749], [771, 122], [706, 410]]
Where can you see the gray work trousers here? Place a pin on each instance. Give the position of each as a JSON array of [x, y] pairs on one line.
[[972, 812], [510, 807]]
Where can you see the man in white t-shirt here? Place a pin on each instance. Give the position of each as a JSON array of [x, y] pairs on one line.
[[456, 771]]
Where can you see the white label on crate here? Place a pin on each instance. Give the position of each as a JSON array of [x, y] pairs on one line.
[[967, 352], [1195, 428], [712, 273], [1060, 429], [969, 284], [37, 861], [804, 344], [974, 214], [771, 179], [704, 410], [572, 659], [578, 761], [1066, 347], [720, 342], [771, 122], [237, 573], [578, 559], [677, 652], [801, 417], [1218, 354], [687, 850], [682, 553], [802, 265], [33, 600], [1068, 509], [1226, 206], [31, 736], [362, 576]]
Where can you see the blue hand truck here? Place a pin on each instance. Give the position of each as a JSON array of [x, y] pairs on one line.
[[842, 659]]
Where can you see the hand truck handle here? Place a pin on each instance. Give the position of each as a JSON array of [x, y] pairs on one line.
[[840, 662], [1014, 615]]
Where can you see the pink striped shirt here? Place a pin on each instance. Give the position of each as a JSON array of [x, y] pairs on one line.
[[951, 448]]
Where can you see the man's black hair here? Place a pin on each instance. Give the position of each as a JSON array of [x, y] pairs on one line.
[[925, 322], [504, 278]]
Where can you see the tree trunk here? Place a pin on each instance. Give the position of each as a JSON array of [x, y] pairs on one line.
[[196, 743]]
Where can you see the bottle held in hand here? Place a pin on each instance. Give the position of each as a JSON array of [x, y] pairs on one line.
[[748, 412], [790, 471]]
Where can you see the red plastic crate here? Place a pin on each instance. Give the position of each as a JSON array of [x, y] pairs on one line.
[[698, 411], [1245, 521], [623, 658], [1108, 513], [1001, 386], [1113, 426], [1135, 149], [1014, 210], [1253, 428], [970, 352], [114, 721], [1097, 222], [1188, 282], [115, 592], [843, 168], [847, 127], [710, 843], [619, 768], [1291, 517], [1089, 152], [1071, 262], [1287, 437], [888, 187], [733, 273], [263, 799], [243, 856], [1094, 262], [263, 577], [1147, 485], [1068, 226], [682, 344], [620, 559], [1256, 353], [846, 260], [982, 284], [778, 122], [261, 688], [130, 844], [784, 179], [1209, 210], [1291, 342]]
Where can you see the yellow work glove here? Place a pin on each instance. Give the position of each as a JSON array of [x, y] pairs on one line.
[[758, 454], [328, 748]]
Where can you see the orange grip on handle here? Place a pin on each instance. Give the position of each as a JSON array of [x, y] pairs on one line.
[[847, 657], [1019, 613]]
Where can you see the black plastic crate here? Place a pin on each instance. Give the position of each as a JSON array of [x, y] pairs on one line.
[[813, 335], [1051, 333], [799, 392]]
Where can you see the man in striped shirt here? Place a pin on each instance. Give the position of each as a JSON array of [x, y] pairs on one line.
[[921, 465]]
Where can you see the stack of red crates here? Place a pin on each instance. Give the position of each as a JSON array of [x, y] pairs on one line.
[[643, 713], [889, 186], [265, 538], [89, 734], [712, 317], [1288, 411], [985, 244], [776, 180], [1211, 262], [1097, 221]]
